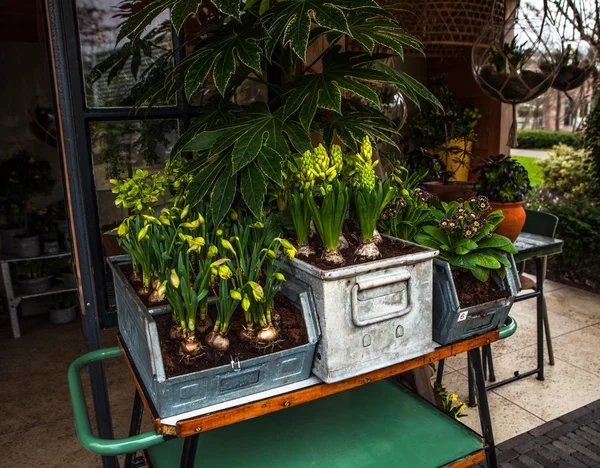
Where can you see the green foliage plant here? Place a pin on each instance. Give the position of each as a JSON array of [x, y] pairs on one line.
[[140, 192], [243, 148], [591, 140], [569, 173], [544, 139], [502, 179], [450, 403], [466, 239], [406, 215]]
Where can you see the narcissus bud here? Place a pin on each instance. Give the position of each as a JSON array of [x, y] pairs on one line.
[[212, 251], [235, 295], [174, 279], [233, 215], [279, 276], [271, 254], [246, 303], [257, 291], [227, 245], [143, 232], [123, 229], [185, 211], [224, 272], [162, 288]]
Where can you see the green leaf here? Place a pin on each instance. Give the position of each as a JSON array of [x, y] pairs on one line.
[[222, 196], [410, 87], [271, 163], [253, 186], [485, 260], [495, 241], [181, 10], [219, 51], [229, 7], [135, 24], [437, 233], [498, 256], [292, 20], [482, 274], [462, 261], [427, 241], [203, 180]]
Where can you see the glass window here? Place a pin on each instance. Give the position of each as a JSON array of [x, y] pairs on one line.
[[117, 76]]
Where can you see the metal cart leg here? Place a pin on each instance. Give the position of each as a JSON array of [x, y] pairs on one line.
[[471, 403], [134, 426], [490, 362], [484, 409], [188, 454], [10, 299], [440, 372]]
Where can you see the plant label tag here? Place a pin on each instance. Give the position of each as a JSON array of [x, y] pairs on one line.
[[462, 316]]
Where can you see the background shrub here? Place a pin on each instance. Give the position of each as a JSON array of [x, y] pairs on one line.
[[579, 227], [591, 141], [542, 139], [568, 172]]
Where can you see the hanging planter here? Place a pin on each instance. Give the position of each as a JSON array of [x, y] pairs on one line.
[[577, 66], [517, 61]]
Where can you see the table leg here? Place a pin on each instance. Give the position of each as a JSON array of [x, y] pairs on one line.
[[484, 409], [188, 454], [471, 403], [134, 426], [440, 372], [539, 272], [546, 321]]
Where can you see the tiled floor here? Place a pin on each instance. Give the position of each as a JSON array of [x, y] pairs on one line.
[[572, 383], [37, 430]]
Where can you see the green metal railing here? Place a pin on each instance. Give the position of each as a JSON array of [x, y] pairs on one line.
[[80, 413]]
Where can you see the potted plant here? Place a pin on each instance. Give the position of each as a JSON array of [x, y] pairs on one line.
[[574, 69], [21, 177], [449, 133], [410, 211], [63, 309], [194, 352], [33, 277], [505, 182], [475, 278], [371, 291]]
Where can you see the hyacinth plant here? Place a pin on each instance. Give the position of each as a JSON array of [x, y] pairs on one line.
[[242, 148], [466, 239], [371, 196]]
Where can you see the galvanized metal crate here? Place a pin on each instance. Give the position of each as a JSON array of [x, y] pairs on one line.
[[452, 323], [371, 315], [176, 395]]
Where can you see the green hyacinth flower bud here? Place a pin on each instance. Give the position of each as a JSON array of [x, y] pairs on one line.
[[337, 159], [321, 162], [367, 149], [368, 177]]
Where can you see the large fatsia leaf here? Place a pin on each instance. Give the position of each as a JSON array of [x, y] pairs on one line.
[[180, 10], [255, 128], [341, 71], [220, 52], [375, 26], [356, 121], [290, 20], [253, 185], [223, 195]]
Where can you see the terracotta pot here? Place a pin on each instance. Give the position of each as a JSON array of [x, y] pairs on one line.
[[514, 219], [452, 191]]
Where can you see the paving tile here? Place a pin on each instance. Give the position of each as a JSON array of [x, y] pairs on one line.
[[574, 303], [564, 389], [508, 420], [580, 348]]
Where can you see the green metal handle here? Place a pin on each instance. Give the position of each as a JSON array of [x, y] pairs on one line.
[[80, 413], [509, 328]]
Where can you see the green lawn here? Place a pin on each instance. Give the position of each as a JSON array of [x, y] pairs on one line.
[[534, 171]]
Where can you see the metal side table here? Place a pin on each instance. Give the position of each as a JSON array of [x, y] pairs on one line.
[[537, 248]]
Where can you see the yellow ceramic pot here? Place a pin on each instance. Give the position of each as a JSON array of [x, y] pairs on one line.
[[457, 158]]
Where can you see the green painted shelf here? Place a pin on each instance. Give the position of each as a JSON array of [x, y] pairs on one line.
[[377, 425]]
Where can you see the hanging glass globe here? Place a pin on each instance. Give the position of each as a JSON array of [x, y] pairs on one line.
[[578, 63], [517, 61]]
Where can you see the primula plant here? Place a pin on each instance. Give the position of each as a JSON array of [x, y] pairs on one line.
[[466, 239], [243, 148], [406, 215]]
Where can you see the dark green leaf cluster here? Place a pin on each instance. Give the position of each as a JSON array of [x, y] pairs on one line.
[[243, 148], [591, 140], [466, 239], [502, 179], [407, 215]]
